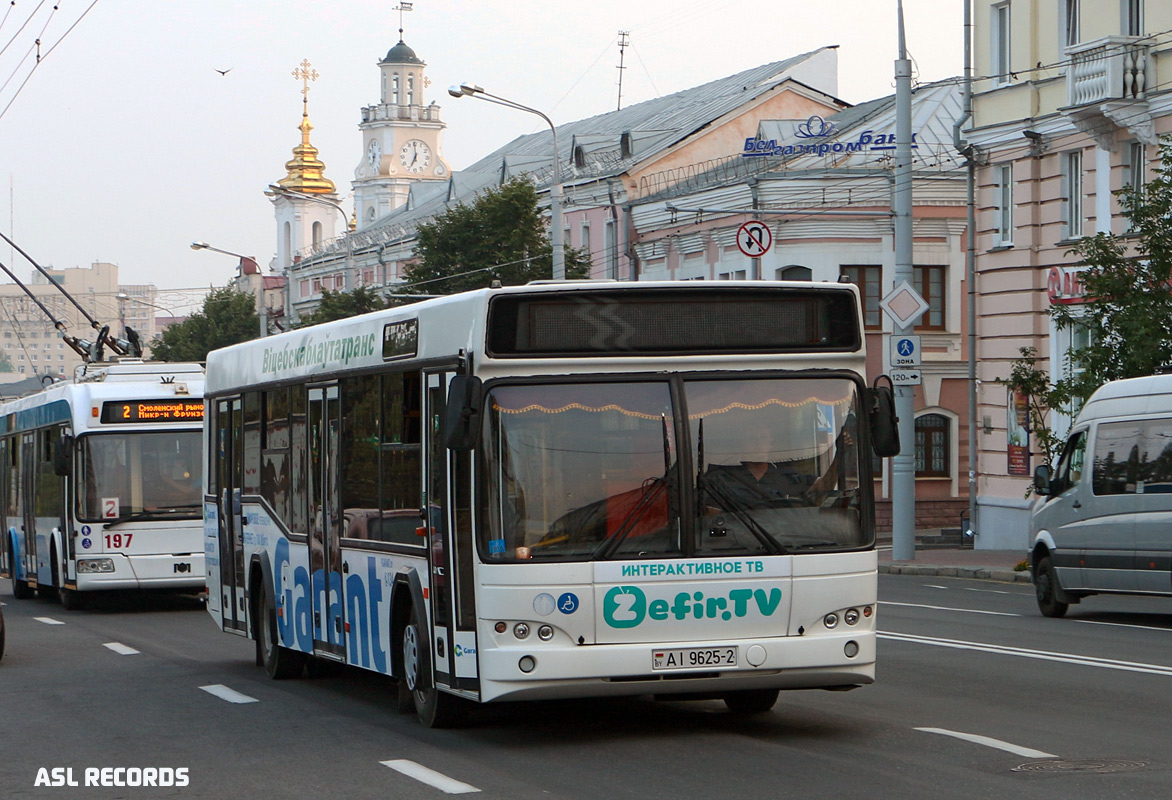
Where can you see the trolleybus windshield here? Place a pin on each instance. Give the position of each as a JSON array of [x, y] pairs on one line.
[[139, 475]]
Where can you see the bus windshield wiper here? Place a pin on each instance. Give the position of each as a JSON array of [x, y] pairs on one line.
[[153, 513], [651, 490]]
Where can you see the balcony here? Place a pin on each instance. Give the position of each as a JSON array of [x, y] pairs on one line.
[[1106, 81]]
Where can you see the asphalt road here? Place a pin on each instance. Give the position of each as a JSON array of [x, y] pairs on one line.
[[978, 696]]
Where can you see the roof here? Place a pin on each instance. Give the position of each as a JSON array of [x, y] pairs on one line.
[[401, 54]]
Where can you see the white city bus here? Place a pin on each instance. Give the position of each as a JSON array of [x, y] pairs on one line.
[[556, 490], [101, 482]]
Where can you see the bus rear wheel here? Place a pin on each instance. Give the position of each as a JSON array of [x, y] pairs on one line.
[[279, 662], [434, 708], [751, 701]]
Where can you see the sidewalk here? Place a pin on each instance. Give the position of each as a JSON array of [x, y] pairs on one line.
[[993, 565]]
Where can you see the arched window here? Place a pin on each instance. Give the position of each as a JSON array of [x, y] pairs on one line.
[[316, 234], [794, 272], [933, 447], [410, 90], [395, 88]]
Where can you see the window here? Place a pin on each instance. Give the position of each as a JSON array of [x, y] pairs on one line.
[[1133, 23], [1004, 205], [400, 460], [929, 282], [395, 89], [1072, 191], [410, 90], [585, 246], [612, 256], [304, 288], [1070, 15], [1001, 44], [359, 457], [735, 275], [1069, 469], [794, 272], [317, 234], [932, 446], [1136, 167], [868, 280]]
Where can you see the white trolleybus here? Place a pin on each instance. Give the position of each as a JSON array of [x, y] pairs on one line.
[[101, 478], [557, 490]]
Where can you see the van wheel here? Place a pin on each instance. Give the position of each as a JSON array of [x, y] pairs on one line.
[[751, 701], [1046, 585], [434, 708]]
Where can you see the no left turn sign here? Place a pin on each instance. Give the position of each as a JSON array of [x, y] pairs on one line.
[[754, 238]]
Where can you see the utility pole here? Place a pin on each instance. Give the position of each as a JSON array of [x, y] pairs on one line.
[[623, 42], [903, 469]]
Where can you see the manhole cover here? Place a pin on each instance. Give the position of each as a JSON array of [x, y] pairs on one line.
[[1100, 765]]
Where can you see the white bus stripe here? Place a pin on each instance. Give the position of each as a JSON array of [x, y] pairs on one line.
[[1041, 655], [1017, 750], [121, 649], [429, 776], [49, 620], [231, 695]]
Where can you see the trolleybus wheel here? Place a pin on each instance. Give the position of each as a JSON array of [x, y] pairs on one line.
[[751, 701], [434, 708], [279, 662], [1046, 586], [71, 599]]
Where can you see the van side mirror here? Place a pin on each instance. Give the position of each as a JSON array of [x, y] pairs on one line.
[[462, 415], [883, 421], [63, 455], [1042, 480]]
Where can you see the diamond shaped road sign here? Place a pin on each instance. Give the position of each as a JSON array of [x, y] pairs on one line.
[[903, 305]]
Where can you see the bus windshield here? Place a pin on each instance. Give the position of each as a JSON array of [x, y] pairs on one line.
[[130, 475], [594, 471]]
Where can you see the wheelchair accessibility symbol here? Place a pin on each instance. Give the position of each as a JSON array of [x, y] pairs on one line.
[[568, 603]]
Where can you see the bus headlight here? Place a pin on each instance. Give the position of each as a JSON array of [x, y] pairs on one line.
[[90, 565]]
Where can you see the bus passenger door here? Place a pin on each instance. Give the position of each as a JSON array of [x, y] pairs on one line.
[[437, 527], [325, 524], [28, 527], [230, 469]]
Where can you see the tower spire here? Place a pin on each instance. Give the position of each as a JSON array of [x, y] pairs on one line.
[[306, 170], [403, 6]]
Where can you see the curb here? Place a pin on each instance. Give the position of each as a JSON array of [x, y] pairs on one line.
[[975, 573]]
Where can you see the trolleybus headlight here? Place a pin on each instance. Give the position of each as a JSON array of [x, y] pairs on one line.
[[545, 633], [527, 664], [95, 565], [830, 620], [520, 630], [851, 616]]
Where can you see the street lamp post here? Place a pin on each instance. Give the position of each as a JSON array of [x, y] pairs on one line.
[[556, 237], [262, 307]]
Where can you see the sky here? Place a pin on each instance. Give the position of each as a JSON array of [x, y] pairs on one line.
[[125, 144]]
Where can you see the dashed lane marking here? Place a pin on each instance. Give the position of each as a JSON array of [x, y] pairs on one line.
[[231, 695], [987, 741], [121, 649], [946, 608], [49, 620], [429, 776]]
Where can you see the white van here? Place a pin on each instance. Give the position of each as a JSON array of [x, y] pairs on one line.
[[1103, 519]]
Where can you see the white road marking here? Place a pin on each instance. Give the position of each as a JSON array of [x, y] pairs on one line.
[[231, 695], [1122, 625], [1024, 593], [1040, 655], [49, 620], [934, 586], [946, 608], [429, 776], [1017, 750], [121, 649]]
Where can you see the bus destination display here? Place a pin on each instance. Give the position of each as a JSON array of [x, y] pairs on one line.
[[153, 411]]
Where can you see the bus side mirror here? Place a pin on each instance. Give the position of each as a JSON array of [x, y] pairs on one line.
[[884, 422], [63, 455], [1042, 480], [462, 415]]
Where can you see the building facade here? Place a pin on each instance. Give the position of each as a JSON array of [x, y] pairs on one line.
[[1070, 100]]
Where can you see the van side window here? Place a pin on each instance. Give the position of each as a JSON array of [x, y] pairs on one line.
[[1069, 470], [1118, 460], [1158, 436]]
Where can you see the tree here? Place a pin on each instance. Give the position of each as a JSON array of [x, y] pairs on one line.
[[499, 237], [340, 305], [5, 364], [227, 317], [1127, 315]]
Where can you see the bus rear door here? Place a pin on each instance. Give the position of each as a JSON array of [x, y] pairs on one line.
[[230, 470], [325, 522]]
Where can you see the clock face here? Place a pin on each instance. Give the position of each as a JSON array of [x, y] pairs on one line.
[[415, 156], [374, 154]]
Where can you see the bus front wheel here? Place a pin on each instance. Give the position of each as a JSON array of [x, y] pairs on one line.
[[434, 708], [751, 701], [1046, 587], [279, 662]]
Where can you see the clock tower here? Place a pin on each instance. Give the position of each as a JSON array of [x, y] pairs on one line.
[[400, 138]]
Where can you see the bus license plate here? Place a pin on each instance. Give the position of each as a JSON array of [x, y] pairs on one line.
[[694, 658]]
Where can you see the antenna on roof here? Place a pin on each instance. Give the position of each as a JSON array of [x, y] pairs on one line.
[[623, 42], [403, 6]]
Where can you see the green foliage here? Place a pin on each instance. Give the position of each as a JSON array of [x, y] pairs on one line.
[[1127, 314], [5, 364], [342, 305], [227, 317], [499, 237]]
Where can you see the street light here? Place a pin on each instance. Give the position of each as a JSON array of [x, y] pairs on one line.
[[555, 189], [262, 308]]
